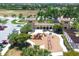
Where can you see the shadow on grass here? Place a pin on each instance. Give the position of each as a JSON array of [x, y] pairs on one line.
[[20, 46]]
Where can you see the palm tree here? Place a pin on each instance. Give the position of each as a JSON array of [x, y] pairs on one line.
[[20, 15], [40, 14]]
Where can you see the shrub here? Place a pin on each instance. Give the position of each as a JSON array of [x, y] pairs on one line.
[[57, 29], [36, 51], [26, 28]]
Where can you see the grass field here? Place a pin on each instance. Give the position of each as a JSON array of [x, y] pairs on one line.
[[13, 52], [17, 12]]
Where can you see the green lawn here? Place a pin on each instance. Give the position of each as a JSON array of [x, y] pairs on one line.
[[50, 21], [18, 22], [3, 21], [71, 53]]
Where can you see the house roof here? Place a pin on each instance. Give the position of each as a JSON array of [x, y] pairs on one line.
[[72, 34], [43, 24]]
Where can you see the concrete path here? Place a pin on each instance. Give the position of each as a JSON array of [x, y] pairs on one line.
[[4, 34]]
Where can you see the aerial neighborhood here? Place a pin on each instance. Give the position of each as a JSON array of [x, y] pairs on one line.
[[37, 29]]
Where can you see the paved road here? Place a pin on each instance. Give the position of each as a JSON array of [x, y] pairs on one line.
[[4, 34]]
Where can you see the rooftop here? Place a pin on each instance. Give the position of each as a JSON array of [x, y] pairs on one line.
[[42, 24], [73, 36]]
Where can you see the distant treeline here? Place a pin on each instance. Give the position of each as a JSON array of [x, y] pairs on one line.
[[32, 6]]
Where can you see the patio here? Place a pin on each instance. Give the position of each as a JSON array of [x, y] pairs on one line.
[[47, 41]]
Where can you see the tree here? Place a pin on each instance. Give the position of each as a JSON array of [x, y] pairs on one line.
[[41, 15], [12, 38], [50, 21], [29, 16], [36, 51], [21, 38], [16, 38], [49, 13], [57, 28], [13, 15], [26, 28], [55, 13], [76, 25], [20, 15], [69, 11]]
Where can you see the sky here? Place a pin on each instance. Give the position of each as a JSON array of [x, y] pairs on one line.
[[39, 1]]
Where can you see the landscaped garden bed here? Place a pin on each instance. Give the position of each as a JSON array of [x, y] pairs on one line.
[[71, 53], [49, 21], [3, 21], [18, 21]]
